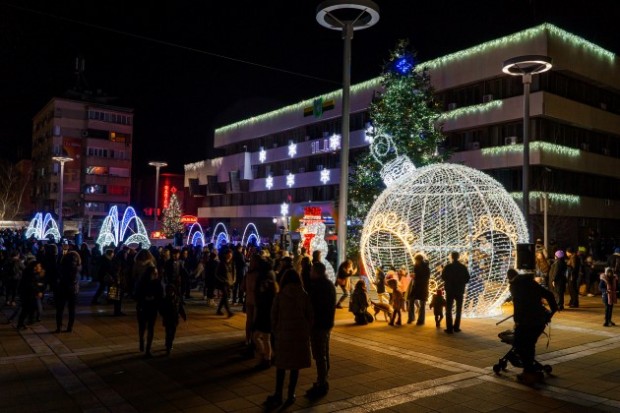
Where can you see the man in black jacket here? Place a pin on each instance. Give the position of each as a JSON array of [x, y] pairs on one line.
[[322, 295], [530, 318], [454, 275]]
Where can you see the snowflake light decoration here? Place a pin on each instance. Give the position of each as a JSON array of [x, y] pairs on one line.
[[334, 142], [43, 227], [290, 179], [369, 133], [284, 209], [262, 155], [442, 208], [292, 149], [269, 182], [325, 176]]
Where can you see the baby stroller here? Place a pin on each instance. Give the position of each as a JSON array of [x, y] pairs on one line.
[[508, 337]]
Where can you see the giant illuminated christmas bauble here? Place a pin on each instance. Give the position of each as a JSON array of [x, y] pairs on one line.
[[442, 208]]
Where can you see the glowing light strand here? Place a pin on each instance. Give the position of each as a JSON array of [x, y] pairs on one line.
[[573, 40], [534, 146]]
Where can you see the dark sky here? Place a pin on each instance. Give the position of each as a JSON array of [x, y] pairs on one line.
[[181, 93]]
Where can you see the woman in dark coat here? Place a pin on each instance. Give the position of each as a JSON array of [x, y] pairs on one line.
[[264, 294], [149, 295], [291, 319], [67, 288], [419, 290]]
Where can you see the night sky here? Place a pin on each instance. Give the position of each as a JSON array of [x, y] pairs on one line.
[[170, 62]]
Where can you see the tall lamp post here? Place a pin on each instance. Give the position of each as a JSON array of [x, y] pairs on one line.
[[61, 160], [158, 166], [346, 16], [526, 66]]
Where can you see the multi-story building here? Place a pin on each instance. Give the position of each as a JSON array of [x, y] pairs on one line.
[[292, 154], [98, 137]]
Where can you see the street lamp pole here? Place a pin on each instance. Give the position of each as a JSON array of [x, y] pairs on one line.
[[158, 166], [337, 15], [526, 67], [61, 160]]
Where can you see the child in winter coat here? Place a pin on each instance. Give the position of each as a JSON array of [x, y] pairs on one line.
[[171, 308], [397, 300], [437, 304], [609, 288]]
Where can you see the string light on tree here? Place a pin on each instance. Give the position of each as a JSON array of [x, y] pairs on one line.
[[171, 223]]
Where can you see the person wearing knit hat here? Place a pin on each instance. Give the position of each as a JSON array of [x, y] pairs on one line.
[[557, 278], [437, 305]]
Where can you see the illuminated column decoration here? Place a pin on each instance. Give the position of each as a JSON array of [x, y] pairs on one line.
[[325, 176], [442, 208], [292, 149], [269, 182], [290, 179], [312, 231], [262, 155], [129, 231], [250, 235], [43, 228]]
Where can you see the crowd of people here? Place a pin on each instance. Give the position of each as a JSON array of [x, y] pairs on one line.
[[288, 300]]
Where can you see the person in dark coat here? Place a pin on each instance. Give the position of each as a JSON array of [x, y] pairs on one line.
[[383, 296], [419, 291], [322, 296], [225, 277], [291, 318], [530, 318], [28, 291], [455, 276], [149, 294], [265, 292], [67, 288], [557, 278], [170, 309]]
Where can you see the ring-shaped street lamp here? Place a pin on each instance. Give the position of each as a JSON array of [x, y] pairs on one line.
[[362, 13], [346, 16], [528, 64]]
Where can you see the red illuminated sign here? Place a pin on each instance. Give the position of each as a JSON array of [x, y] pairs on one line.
[[189, 219]]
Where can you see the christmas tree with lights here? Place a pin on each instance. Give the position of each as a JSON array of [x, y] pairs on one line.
[[171, 223], [404, 116]]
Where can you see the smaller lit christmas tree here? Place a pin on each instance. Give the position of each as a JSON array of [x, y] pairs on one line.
[[171, 223]]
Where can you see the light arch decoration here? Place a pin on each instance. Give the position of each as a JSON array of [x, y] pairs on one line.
[[442, 208], [130, 230], [196, 236], [250, 235], [43, 227], [220, 236]]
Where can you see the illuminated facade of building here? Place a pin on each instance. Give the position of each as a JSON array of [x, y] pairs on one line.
[[98, 137], [291, 154]]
